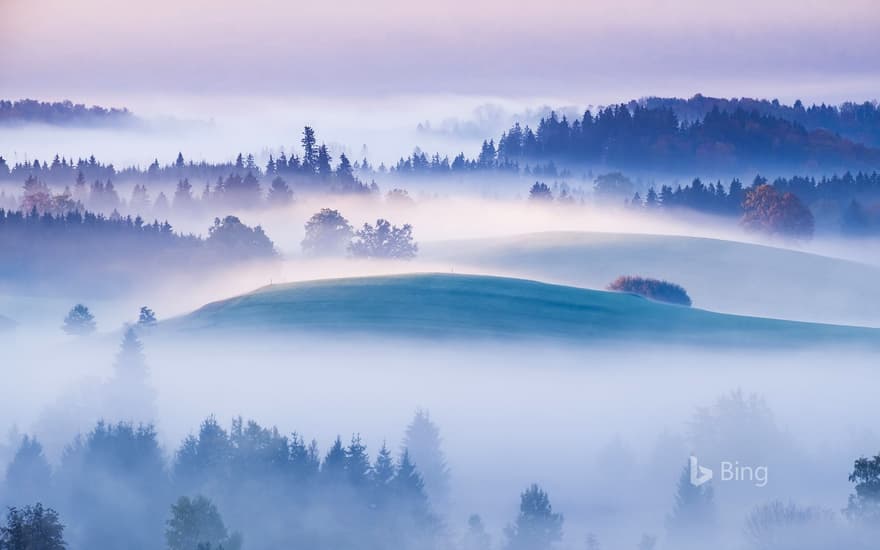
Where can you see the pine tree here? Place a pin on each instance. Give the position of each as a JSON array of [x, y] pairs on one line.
[[183, 197], [357, 463], [536, 526], [476, 537], [322, 163], [422, 441], [79, 321], [693, 516], [28, 476], [651, 199], [310, 157], [333, 467], [382, 475]]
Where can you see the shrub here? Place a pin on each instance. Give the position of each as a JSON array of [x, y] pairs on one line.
[[655, 289]]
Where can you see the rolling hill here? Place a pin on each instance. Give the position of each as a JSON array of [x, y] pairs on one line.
[[446, 305], [720, 275]]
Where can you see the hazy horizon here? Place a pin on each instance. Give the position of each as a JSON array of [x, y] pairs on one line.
[[595, 52]]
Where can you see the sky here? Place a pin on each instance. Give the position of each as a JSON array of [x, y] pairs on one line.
[[579, 51]]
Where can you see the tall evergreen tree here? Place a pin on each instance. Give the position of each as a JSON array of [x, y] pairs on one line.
[[422, 440], [357, 463], [28, 476], [693, 517], [310, 153], [323, 161]]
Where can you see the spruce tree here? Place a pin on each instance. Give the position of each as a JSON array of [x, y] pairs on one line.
[[536, 525]]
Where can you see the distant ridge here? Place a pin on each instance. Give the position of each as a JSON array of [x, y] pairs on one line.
[[62, 113]]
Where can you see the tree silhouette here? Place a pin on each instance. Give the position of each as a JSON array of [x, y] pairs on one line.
[[540, 192], [384, 241], [693, 515], [195, 523], [79, 321], [327, 233], [32, 528], [476, 537], [536, 526], [146, 317], [864, 504], [422, 441]]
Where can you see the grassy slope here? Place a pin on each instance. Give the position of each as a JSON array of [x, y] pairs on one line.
[[440, 305], [719, 275]]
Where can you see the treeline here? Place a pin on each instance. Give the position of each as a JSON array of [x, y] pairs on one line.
[[655, 138], [849, 202], [859, 122], [84, 247], [312, 172], [114, 488], [61, 113], [761, 207]]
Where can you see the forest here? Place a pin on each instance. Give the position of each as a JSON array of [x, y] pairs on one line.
[[246, 485], [73, 249], [859, 122], [656, 139], [61, 113]]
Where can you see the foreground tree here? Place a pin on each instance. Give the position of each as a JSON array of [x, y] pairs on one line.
[[196, 524], [327, 233], [32, 528], [384, 241], [536, 526], [864, 504], [79, 321]]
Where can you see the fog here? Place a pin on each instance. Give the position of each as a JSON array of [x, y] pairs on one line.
[[604, 429], [604, 415]]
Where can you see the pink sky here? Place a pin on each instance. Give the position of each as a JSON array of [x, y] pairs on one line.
[[560, 48]]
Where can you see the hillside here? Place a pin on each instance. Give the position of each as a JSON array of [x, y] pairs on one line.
[[445, 305], [720, 275]]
